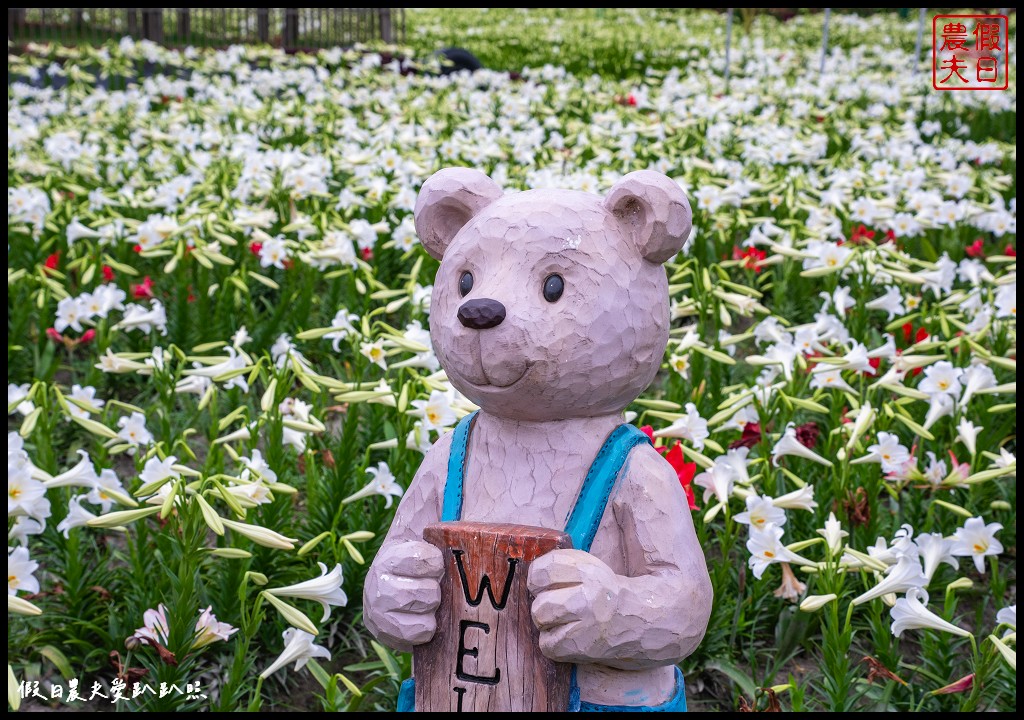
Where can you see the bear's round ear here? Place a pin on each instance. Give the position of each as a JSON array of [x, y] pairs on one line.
[[448, 200], [653, 211]]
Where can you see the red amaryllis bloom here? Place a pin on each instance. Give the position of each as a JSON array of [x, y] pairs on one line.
[[861, 234], [649, 432], [964, 684], [750, 257], [52, 261], [108, 274], [918, 336], [890, 236], [87, 337], [54, 335], [367, 254], [255, 248], [685, 471], [751, 437], [1009, 251], [976, 249], [144, 289], [874, 363], [807, 434]]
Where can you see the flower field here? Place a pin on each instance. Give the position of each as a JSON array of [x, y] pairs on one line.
[[220, 377]]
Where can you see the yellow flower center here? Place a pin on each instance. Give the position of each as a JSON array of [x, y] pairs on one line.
[[943, 385], [980, 547], [12, 581], [14, 493], [769, 554]]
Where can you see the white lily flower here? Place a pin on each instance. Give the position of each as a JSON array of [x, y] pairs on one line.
[[967, 433], [383, 484], [903, 576], [298, 648], [760, 512], [976, 377], [789, 445], [691, 427], [888, 451], [802, 499], [940, 406], [766, 548], [325, 590], [833, 533], [912, 613], [81, 475], [977, 540], [935, 550]]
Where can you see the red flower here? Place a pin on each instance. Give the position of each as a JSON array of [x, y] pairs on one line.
[[751, 436], [52, 261], [631, 99], [255, 248], [367, 254], [137, 248], [908, 332], [874, 363], [1009, 251], [108, 274], [649, 432], [750, 257], [684, 471], [54, 335], [861, 234], [890, 236], [976, 249], [143, 290], [87, 337], [807, 434]]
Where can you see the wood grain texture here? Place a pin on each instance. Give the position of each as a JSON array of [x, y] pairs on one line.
[[485, 655]]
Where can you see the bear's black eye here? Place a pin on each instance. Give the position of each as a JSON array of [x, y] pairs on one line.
[[465, 283], [554, 285]]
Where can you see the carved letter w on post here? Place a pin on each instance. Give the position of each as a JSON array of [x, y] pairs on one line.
[[485, 656]]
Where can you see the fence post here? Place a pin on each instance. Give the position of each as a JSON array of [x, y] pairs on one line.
[[184, 24], [132, 21], [290, 38], [824, 41], [153, 24], [728, 46], [263, 24], [920, 37], [386, 33]]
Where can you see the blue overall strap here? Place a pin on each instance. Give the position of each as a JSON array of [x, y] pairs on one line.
[[451, 510], [586, 514], [598, 485]]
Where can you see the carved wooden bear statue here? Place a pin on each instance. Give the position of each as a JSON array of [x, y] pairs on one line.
[[550, 311]]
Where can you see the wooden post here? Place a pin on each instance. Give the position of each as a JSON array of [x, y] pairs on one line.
[[485, 655], [184, 25], [153, 24], [263, 24], [15, 22], [728, 46], [386, 33], [824, 42], [920, 37], [290, 37], [132, 21]]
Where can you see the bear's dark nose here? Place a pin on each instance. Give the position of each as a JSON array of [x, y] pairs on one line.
[[481, 314]]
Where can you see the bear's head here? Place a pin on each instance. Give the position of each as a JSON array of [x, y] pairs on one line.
[[550, 304]]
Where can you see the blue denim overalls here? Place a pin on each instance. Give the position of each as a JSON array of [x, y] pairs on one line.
[[581, 526]]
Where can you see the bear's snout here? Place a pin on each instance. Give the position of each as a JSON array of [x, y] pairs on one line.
[[481, 314]]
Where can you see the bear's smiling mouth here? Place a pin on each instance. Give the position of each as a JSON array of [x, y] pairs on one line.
[[492, 384]]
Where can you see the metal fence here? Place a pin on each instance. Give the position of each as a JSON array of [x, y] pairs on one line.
[[289, 28]]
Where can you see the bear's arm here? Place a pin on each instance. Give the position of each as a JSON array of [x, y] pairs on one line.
[[421, 503], [667, 600]]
